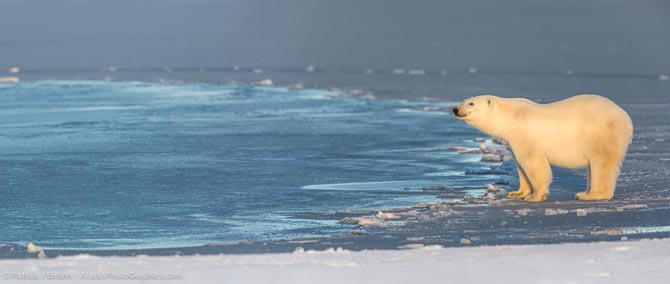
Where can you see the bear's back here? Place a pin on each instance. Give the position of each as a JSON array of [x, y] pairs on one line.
[[589, 109], [587, 116]]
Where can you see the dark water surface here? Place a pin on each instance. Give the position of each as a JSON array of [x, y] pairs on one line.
[[92, 164]]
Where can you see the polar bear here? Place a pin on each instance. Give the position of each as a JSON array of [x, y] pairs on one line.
[[585, 131]]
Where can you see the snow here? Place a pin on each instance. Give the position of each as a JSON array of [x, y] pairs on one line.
[[644, 261]]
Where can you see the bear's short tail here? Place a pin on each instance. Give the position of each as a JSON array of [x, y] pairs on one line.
[[629, 125]]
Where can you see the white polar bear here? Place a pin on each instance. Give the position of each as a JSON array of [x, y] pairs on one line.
[[585, 131]]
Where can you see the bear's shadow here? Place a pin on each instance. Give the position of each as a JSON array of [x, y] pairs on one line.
[[566, 183]]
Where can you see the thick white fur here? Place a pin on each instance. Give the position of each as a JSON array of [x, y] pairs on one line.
[[585, 131]]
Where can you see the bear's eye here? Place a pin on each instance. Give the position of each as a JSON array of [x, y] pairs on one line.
[[471, 104]]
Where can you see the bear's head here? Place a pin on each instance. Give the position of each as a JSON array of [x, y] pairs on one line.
[[475, 108], [480, 112]]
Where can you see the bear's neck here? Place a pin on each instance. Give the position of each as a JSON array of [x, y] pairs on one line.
[[506, 121]]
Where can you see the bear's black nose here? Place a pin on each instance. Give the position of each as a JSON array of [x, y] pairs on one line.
[[455, 111]]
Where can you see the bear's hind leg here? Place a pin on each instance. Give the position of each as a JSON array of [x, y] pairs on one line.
[[524, 186], [603, 174]]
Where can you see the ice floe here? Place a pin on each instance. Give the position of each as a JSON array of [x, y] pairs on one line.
[[11, 79], [416, 72], [387, 216], [265, 82]]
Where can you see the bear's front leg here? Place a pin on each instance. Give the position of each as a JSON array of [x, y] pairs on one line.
[[524, 186], [538, 172]]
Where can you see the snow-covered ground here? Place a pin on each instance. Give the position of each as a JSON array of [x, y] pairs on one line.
[[644, 261]]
